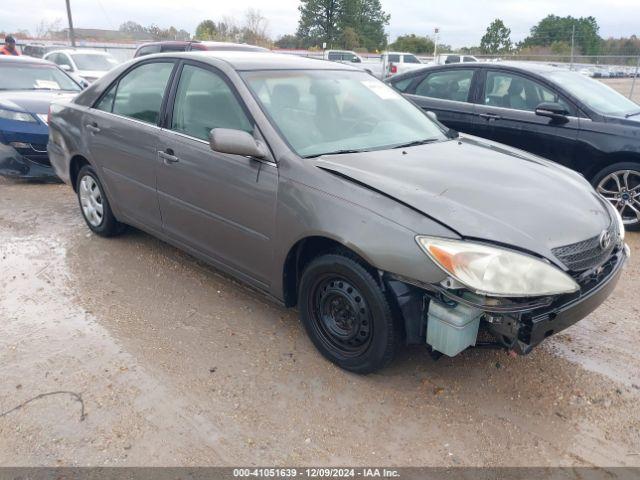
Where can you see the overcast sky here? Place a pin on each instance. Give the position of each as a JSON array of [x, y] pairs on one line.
[[461, 22]]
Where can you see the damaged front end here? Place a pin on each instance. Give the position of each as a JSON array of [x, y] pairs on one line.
[[26, 161], [449, 318]]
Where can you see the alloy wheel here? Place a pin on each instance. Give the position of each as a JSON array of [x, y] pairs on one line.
[[91, 201], [622, 189]]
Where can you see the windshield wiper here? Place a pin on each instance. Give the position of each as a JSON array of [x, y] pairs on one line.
[[415, 143], [336, 152], [631, 114]]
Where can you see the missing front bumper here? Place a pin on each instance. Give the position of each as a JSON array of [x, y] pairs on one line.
[[516, 326]]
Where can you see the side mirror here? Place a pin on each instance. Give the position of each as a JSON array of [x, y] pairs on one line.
[[236, 142], [553, 110], [449, 132], [356, 60], [66, 68]]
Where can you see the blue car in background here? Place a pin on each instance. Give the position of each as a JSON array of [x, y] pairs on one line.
[[27, 87]]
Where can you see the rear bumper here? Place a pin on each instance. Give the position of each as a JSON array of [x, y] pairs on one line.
[[556, 318], [15, 165]]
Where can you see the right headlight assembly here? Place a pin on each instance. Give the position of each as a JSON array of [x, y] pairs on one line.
[[496, 271]]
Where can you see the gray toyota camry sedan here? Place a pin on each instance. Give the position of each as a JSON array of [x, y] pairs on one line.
[[324, 188]]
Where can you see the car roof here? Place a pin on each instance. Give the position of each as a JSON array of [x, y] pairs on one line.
[[231, 46], [71, 50], [532, 67], [242, 61], [24, 59]]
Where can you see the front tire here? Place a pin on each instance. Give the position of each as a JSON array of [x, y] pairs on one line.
[[620, 185], [346, 314], [94, 204]]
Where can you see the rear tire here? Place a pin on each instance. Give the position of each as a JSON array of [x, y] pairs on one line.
[[347, 315], [94, 204], [620, 185]]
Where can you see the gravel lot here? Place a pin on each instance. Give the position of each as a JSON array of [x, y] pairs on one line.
[[141, 355]]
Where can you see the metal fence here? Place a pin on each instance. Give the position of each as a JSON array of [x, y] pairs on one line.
[[620, 71]]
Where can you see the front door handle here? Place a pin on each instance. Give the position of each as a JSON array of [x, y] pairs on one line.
[[93, 127], [168, 157], [490, 116]]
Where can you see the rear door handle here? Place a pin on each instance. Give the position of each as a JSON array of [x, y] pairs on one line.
[[490, 116], [168, 157], [93, 127]]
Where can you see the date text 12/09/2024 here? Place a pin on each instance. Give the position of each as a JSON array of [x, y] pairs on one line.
[[315, 473]]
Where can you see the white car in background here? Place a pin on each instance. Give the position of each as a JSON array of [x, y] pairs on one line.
[[447, 58], [349, 57], [89, 65], [394, 63]]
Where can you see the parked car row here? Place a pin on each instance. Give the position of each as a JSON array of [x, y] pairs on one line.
[[331, 191]]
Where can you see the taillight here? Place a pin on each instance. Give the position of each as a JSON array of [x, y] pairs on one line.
[[394, 68]]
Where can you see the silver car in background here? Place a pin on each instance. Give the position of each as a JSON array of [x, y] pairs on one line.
[[327, 190]]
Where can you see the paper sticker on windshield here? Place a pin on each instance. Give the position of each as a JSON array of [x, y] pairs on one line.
[[381, 90], [47, 84]]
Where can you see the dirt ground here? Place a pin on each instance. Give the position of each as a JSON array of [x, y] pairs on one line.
[[160, 360]]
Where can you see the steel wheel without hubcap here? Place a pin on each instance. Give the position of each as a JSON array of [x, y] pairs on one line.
[[622, 189], [91, 201], [341, 316]]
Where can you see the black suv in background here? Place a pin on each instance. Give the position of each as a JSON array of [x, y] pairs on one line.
[[552, 112], [189, 45]]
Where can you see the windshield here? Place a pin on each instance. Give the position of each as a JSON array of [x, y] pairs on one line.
[[35, 77], [89, 61], [325, 111], [596, 95]]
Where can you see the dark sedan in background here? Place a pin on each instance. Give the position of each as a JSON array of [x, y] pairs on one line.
[[555, 113], [27, 87]]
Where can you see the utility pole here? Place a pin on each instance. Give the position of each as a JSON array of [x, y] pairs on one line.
[[72, 35], [435, 43], [573, 38], [635, 76]]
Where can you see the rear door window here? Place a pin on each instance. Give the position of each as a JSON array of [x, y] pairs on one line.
[[204, 101], [411, 59], [451, 84], [393, 58], [139, 93]]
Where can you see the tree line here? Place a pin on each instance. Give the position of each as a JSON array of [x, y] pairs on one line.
[[360, 25]]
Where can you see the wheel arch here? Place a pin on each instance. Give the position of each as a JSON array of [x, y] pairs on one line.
[[75, 165], [303, 252], [609, 160]]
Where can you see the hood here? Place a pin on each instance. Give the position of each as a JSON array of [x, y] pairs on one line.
[[483, 190], [633, 121], [32, 101], [91, 74]]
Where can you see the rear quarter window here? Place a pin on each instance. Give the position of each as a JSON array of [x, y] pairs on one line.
[[402, 85]]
